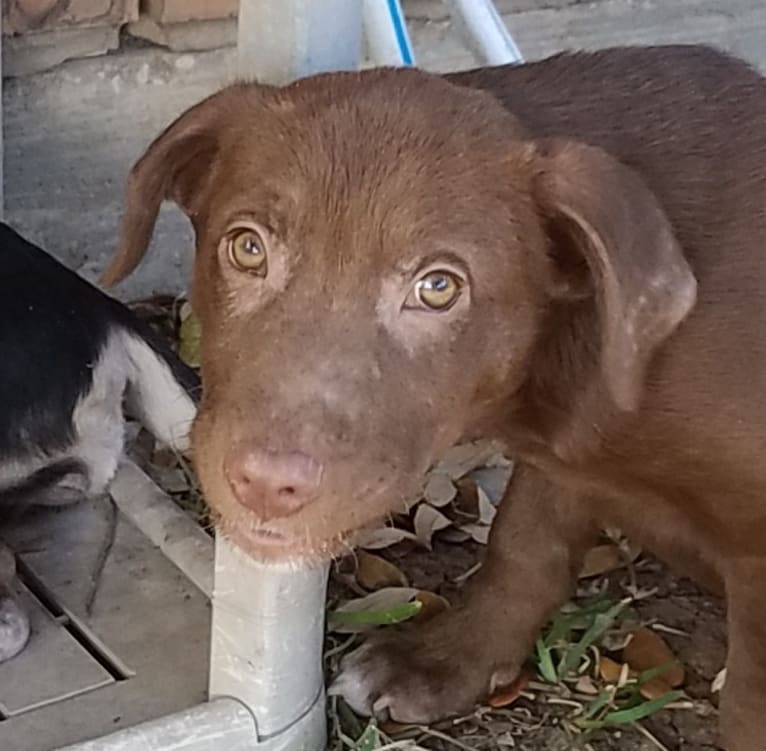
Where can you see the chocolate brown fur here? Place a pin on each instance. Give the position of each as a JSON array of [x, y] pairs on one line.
[[607, 214]]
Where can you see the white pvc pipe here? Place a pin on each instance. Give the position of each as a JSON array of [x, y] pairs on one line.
[[267, 632], [485, 31], [170, 528], [385, 28], [266, 646], [280, 40], [213, 726]]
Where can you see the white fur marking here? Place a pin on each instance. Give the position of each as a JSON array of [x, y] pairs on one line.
[[126, 366], [155, 395], [98, 420]]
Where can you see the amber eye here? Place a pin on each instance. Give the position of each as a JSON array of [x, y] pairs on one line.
[[438, 290], [247, 250]]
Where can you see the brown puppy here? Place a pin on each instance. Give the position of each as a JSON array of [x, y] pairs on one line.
[[569, 256]]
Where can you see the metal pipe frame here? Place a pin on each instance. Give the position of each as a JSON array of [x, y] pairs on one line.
[[485, 32]]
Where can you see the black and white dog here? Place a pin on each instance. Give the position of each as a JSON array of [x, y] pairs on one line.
[[71, 358]]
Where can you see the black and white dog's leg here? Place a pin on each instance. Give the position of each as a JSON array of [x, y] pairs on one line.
[[14, 623]]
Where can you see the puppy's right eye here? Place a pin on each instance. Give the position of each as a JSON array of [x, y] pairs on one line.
[[436, 292], [246, 248]]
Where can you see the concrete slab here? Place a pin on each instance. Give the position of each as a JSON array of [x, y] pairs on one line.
[[120, 635], [72, 133], [187, 35]]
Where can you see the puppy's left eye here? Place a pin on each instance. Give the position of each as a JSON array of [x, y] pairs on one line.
[[437, 291]]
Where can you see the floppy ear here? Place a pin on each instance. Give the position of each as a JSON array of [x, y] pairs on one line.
[[173, 168], [610, 237]]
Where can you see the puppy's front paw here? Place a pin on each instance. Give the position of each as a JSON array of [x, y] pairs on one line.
[[14, 623], [416, 675], [14, 627]]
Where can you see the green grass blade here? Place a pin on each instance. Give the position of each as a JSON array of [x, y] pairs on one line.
[[639, 712], [545, 662], [596, 705], [655, 672], [601, 623], [560, 630], [370, 739], [387, 617]]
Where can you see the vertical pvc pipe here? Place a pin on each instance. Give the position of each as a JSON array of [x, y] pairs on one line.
[[385, 28], [485, 32], [268, 621], [280, 40], [266, 650]]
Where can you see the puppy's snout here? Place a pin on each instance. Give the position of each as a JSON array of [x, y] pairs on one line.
[[272, 485]]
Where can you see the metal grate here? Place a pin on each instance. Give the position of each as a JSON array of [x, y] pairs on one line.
[[63, 659]]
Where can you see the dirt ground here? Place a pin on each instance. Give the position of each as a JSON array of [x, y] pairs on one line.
[[691, 622], [676, 603]]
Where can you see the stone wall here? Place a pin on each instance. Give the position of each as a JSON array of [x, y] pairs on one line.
[[40, 34]]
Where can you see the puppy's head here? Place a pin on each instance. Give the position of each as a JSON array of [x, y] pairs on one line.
[[386, 264]]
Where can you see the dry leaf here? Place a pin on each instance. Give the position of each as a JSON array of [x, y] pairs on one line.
[[486, 510], [383, 599], [479, 532], [608, 557], [615, 641], [647, 650], [439, 490], [585, 685], [461, 459], [433, 604], [493, 481], [601, 560], [613, 533], [500, 460], [630, 550], [718, 682], [427, 521], [453, 535], [609, 670], [184, 311], [503, 697], [374, 572], [382, 537]]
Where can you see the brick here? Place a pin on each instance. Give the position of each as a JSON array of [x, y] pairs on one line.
[[189, 36], [22, 16], [177, 11], [32, 53]]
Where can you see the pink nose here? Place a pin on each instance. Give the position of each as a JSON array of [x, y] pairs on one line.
[[269, 484]]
